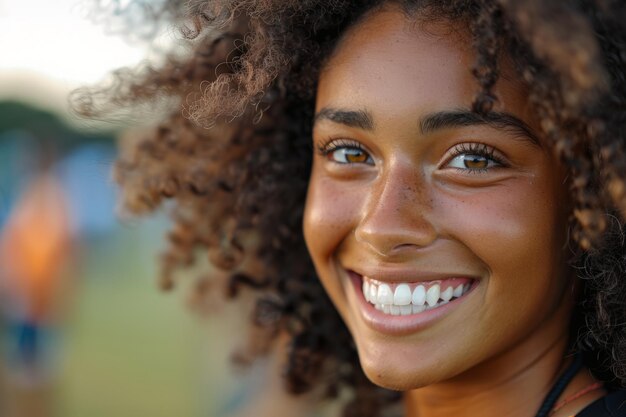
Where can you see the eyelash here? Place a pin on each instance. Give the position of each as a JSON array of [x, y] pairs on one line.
[[332, 145], [327, 148], [479, 149]]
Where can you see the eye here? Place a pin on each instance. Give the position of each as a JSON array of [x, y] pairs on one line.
[[472, 162], [346, 152], [474, 157], [349, 156]]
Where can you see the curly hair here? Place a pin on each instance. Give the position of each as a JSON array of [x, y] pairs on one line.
[[233, 155]]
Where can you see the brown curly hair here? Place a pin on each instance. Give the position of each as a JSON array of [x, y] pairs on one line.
[[233, 155]]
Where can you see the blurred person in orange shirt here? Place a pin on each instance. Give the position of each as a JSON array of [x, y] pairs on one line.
[[35, 247]]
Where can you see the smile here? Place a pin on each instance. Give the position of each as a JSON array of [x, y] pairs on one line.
[[384, 305], [406, 298]]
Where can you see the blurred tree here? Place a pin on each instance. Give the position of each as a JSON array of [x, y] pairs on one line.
[[45, 126]]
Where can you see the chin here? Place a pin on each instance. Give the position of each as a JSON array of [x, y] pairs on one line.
[[395, 372], [396, 379]]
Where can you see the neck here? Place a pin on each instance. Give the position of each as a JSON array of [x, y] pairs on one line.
[[512, 384]]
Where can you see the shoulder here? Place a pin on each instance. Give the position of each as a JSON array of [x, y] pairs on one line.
[[611, 405]]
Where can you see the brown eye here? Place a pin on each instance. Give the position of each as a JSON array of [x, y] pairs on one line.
[[350, 155], [475, 161]]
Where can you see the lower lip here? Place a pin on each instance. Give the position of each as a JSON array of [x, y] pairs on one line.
[[400, 325]]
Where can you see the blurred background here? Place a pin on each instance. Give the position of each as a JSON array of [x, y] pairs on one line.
[[84, 331]]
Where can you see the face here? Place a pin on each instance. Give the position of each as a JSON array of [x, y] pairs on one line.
[[438, 234]]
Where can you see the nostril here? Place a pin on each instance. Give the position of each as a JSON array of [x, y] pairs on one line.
[[405, 246], [388, 242]]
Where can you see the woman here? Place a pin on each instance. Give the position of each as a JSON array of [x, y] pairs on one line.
[[462, 211]]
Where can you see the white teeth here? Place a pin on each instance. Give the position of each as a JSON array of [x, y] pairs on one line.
[[419, 295], [402, 295], [373, 294], [458, 291], [447, 294], [432, 295], [417, 309], [403, 301], [385, 296]]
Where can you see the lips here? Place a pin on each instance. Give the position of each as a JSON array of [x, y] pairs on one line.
[[403, 307]]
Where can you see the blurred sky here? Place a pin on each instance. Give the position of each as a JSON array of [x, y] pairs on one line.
[[48, 47]]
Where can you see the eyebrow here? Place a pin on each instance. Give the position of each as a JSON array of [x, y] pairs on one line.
[[353, 118], [464, 118], [437, 121]]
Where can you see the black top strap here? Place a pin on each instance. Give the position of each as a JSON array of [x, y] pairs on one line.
[[559, 386]]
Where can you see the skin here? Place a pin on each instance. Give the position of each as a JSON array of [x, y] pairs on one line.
[[406, 206]]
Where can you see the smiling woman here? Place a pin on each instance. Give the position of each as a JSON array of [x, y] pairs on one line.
[[423, 200], [462, 211]]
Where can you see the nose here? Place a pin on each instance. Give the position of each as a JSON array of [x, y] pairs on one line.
[[397, 216]]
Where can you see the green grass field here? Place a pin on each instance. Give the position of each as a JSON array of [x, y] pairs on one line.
[[130, 350]]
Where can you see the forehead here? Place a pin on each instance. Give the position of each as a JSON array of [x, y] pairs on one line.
[[394, 64]]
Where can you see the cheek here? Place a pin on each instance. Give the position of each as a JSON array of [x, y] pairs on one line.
[[517, 231], [330, 212]]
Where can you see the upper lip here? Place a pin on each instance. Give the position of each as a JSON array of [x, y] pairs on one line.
[[396, 275]]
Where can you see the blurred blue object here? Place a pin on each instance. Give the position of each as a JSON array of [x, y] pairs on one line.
[[17, 164], [85, 175]]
